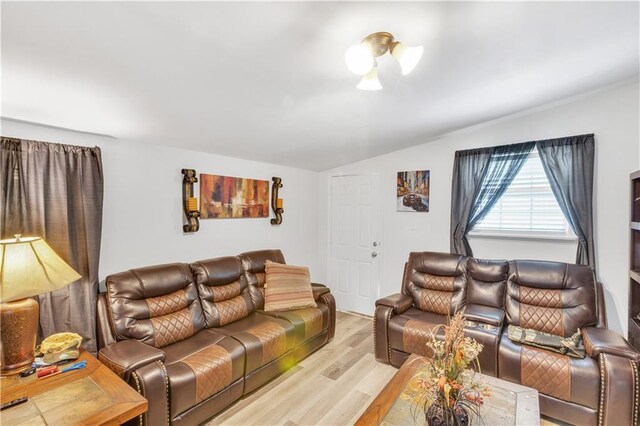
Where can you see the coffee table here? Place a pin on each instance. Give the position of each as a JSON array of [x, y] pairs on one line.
[[509, 404], [91, 396]]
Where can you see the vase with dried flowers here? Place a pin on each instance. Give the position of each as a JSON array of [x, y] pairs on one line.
[[453, 393]]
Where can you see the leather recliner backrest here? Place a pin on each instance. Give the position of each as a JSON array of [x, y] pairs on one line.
[[157, 305], [552, 297], [253, 263], [223, 290], [487, 282], [437, 282]]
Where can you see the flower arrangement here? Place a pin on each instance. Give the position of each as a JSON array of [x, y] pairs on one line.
[[452, 391]]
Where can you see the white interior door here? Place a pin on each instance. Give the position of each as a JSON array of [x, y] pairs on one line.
[[355, 252]]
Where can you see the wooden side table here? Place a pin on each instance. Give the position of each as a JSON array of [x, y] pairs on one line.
[[91, 396]]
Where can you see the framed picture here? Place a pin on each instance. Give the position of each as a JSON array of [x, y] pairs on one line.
[[223, 197], [413, 191]]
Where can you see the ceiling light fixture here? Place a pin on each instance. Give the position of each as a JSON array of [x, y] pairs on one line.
[[360, 59]]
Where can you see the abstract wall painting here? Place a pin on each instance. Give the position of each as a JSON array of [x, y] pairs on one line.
[[413, 191], [223, 197]]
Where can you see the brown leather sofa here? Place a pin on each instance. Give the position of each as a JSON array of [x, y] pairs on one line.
[[193, 338], [558, 298]]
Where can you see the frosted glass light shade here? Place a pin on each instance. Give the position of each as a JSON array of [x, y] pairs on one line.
[[28, 266], [370, 81], [407, 57], [359, 59]]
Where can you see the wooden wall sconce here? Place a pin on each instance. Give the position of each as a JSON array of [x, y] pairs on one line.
[[189, 202], [276, 203]]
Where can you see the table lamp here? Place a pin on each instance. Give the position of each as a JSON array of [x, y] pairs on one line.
[[28, 267]]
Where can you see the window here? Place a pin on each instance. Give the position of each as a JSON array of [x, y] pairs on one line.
[[527, 208]]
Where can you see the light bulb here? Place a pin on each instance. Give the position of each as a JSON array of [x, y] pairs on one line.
[[370, 80], [359, 59], [407, 57]]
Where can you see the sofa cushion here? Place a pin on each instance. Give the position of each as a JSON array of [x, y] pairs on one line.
[[223, 290], [253, 263], [157, 305], [436, 281], [309, 322], [487, 281], [569, 379], [287, 287], [264, 338], [202, 366], [553, 297], [409, 331]]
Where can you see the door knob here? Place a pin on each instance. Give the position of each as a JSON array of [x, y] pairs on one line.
[[374, 254]]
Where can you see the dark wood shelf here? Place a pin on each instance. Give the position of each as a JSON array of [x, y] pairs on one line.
[[634, 260]]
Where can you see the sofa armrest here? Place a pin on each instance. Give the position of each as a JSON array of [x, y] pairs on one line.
[[484, 314], [398, 302], [128, 355], [601, 340], [319, 290]]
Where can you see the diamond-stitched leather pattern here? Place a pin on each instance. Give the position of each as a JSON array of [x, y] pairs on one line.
[[538, 318], [312, 318], [548, 372], [273, 338], [172, 328], [225, 292], [232, 310], [435, 301], [437, 282], [213, 369], [415, 335], [167, 304], [546, 298], [116, 368]]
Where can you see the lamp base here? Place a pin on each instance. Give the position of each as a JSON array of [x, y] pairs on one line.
[[18, 331]]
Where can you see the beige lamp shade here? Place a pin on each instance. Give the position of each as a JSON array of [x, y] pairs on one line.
[[28, 266]]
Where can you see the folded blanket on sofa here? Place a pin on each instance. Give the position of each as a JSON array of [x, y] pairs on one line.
[[570, 346]]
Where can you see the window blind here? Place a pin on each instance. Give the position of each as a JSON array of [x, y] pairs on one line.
[[527, 207]]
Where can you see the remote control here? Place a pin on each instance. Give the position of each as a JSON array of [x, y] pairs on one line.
[[14, 402]]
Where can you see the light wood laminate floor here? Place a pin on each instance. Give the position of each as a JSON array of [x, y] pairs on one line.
[[332, 386]]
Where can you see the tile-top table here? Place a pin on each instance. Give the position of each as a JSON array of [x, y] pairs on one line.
[[509, 404], [91, 396]]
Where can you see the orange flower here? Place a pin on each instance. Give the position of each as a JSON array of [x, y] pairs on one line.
[[441, 382]]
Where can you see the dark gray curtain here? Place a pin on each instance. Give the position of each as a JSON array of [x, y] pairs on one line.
[[504, 164], [469, 168], [568, 163], [55, 191], [480, 177]]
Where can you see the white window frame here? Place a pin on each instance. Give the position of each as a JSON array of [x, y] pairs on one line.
[[568, 236]]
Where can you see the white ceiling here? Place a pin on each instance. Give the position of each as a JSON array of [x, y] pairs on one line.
[[267, 81]]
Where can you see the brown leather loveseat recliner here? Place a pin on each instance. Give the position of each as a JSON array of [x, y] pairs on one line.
[[552, 297], [193, 339]]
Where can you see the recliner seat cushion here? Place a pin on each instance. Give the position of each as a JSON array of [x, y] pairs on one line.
[[409, 331], [309, 322], [566, 378], [200, 367], [265, 338]]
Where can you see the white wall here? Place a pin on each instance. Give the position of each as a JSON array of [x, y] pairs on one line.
[[142, 222], [612, 115]]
